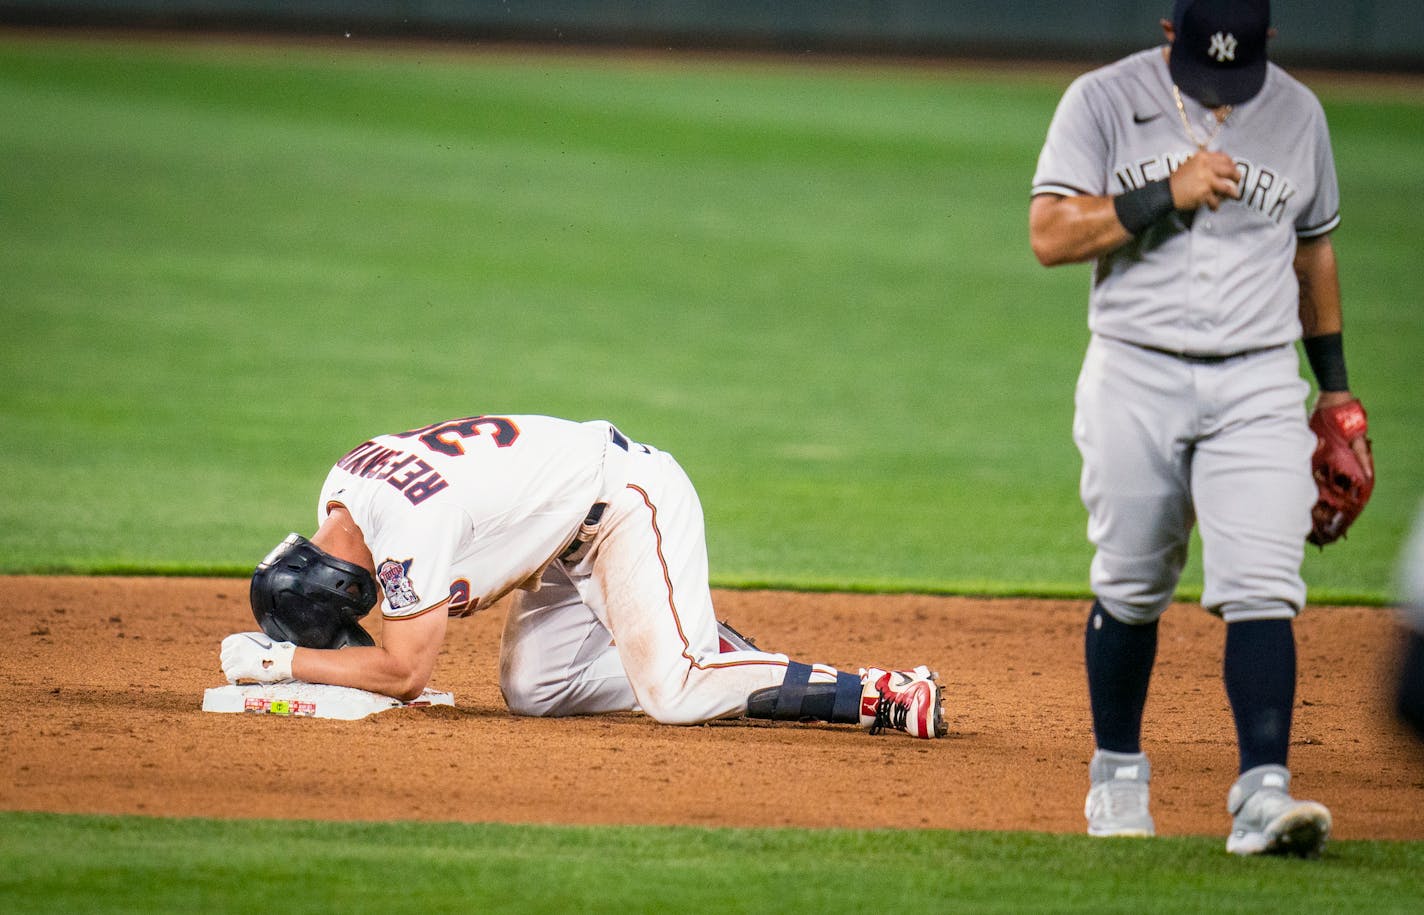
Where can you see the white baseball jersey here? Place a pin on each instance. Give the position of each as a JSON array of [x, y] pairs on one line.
[[459, 513], [1209, 283]]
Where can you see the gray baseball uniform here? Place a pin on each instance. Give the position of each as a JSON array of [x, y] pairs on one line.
[[1190, 405]]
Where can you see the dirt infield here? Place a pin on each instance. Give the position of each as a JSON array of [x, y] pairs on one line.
[[104, 679]]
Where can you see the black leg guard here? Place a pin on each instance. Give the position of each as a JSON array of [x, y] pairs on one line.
[[791, 700], [848, 691], [798, 699]]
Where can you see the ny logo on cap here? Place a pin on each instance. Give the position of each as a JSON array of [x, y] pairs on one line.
[[1223, 47]]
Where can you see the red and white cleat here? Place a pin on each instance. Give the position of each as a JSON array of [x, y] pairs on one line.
[[906, 700]]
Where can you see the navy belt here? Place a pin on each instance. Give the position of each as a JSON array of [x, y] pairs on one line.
[[586, 530], [595, 512], [1206, 359]]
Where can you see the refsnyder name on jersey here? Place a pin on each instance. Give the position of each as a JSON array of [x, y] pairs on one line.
[[413, 477], [460, 512]]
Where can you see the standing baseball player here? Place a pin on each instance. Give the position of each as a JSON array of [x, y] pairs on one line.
[[1198, 178], [604, 539]]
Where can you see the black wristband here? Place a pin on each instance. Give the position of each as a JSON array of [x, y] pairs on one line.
[[1326, 354], [1137, 209]]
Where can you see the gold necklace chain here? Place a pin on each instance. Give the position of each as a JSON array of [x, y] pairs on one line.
[[1187, 124]]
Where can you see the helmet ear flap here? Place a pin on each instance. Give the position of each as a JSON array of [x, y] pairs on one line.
[[302, 594], [353, 635]]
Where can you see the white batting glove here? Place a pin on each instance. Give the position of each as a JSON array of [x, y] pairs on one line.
[[255, 656]]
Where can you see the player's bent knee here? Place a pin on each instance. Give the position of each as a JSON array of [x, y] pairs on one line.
[[673, 717], [667, 707], [528, 701]]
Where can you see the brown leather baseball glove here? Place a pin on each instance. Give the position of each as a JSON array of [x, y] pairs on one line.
[[1344, 479]]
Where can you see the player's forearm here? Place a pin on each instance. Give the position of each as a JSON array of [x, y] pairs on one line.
[[1320, 320], [1068, 230], [372, 669], [1319, 279]]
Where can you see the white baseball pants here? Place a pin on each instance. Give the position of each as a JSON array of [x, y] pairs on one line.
[[631, 625]]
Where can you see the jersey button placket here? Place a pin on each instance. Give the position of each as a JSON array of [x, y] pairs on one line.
[[1201, 293]]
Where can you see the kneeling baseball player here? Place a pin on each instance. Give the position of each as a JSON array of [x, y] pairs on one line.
[[604, 539]]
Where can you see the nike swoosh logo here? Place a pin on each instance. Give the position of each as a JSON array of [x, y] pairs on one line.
[[261, 643], [1143, 119]]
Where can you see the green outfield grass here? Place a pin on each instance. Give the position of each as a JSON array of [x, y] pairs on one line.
[[224, 265], [124, 864]]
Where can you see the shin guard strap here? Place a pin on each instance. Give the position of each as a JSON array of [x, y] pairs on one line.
[[793, 691]]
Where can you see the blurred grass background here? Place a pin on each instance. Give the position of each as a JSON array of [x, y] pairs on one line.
[[225, 264]]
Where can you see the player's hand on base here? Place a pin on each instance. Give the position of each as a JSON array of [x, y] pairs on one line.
[[1207, 178], [256, 656]]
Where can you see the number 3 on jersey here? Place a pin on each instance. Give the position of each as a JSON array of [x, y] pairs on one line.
[[446, 437]]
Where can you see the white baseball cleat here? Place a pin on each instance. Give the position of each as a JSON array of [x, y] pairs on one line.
[[1268, 821], [906, 700], [1117, 802]]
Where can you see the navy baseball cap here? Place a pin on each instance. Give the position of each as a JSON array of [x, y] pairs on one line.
[[1219, 52]]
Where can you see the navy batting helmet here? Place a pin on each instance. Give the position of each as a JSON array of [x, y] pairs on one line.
[[302, 594]]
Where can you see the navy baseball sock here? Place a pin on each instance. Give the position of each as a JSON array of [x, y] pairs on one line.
[[1120, 658], [1259, 670]]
